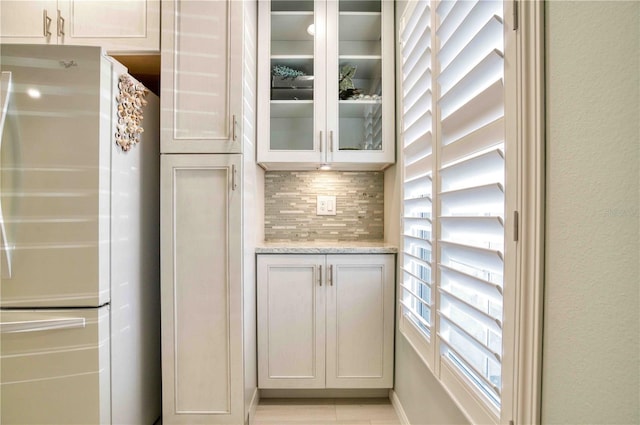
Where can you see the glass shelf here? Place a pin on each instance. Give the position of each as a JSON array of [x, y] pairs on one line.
[[360, 5], [357, 108], [291, 108], [289, 6]]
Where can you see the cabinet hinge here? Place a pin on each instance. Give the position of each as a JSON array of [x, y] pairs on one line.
[[234, 124], [516, 225], [515, 15], [234, 185]]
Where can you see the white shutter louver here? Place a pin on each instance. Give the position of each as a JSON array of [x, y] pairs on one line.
[[416, 281], [471, 191]]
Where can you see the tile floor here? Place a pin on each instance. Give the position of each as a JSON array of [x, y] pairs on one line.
[[377, 411]]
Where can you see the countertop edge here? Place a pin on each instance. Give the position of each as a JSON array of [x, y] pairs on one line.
[[328, 250]]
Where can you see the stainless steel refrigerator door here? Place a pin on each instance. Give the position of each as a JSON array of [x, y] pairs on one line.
[[55, 165], [55, 366]]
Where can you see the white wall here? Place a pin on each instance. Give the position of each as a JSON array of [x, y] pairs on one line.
[[421, 395], [591, 364]]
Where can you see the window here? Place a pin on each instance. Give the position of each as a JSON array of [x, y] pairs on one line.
[[458, 285]]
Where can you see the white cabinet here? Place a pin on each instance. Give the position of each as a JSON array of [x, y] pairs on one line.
[[325, 321], [202, 73], [202, 359], [313, 119], [117, 26], [207, 227], [291, 321], [360, 318]]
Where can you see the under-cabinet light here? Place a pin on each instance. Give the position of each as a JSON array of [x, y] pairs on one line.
[[33, 93], [311, 29], [324, 167]]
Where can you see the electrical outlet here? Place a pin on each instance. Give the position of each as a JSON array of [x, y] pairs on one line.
[[326, 205]]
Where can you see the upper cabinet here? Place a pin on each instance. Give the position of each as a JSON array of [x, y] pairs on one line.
[[117, 26], [326, 84], [201, 87]]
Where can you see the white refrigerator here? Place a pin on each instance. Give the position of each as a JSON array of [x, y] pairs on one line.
[[79, 227]]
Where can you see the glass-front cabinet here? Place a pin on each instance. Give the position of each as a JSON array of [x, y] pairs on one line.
[[325, 84]]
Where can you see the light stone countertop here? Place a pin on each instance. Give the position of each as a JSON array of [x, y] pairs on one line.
[[337, 247]]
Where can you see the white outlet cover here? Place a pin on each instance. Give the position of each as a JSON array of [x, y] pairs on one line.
[[326, 205]]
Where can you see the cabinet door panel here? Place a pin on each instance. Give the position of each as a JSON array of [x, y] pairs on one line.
[[363, 41], [360, 321], [291, 111], [118, 26], [290, 322], [201, 76], [24, 21], [201, 332]]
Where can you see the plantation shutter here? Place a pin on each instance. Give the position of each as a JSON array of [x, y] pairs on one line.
[[471, 191], [416, 297]]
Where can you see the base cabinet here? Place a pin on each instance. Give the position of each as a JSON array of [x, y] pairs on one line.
[[202, 359], [325, 321]]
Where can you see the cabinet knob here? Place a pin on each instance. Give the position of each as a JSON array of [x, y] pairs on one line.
[[320, 274]]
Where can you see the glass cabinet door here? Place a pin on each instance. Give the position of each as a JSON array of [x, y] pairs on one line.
[[293, 85], [360, 75]]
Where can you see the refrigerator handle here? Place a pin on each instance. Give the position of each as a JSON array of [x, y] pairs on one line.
[[42, 325], [5, 248]]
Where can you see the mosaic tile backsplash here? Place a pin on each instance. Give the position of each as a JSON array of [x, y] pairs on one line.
[[290, 206]]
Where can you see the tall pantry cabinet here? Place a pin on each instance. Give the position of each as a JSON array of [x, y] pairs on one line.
[[207, 173]]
